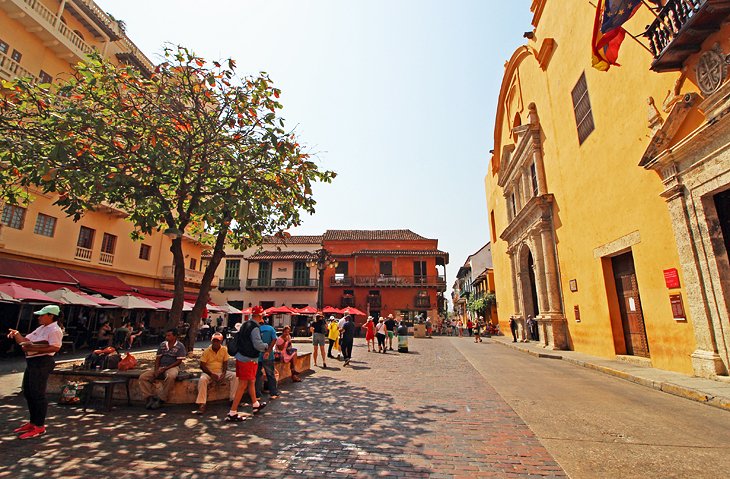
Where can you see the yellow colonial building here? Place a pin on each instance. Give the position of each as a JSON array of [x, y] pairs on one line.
[[39, 246], [608, 191]]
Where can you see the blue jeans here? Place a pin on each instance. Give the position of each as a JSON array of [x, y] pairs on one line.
[[268, 367]]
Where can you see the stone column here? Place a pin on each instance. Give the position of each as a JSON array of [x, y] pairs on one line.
[[540, 279], [515, 282], [551, 270]]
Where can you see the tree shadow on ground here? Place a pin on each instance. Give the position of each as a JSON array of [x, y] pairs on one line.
[[324, 426]]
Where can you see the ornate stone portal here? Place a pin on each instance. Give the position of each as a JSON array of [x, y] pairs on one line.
[[530, 236]]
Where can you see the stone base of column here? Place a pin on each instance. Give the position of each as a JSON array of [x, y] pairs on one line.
[[553, 331], [708, 364]]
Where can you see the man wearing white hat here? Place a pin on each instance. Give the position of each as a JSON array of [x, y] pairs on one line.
[[39, 347], [214, 364]]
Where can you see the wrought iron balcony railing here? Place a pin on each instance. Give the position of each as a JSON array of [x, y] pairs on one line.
[[282, 283], [229, 284], [680, 29]]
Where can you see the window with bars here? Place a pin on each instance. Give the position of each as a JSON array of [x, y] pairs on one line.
[[301, 273], [582, 109], [233, 268], [264, 276], [533, 176], [4, 47], [13, 216], [86, 237], [108, 243], [16, 56], [45, 225], [193, 264], [144, 251]]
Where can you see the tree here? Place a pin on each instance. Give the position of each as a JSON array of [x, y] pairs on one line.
[[192, 149]]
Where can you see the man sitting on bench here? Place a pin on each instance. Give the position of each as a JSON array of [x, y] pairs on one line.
[[170, 355], [214, 364]]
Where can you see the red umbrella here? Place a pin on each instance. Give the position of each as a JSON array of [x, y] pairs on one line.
[[331, 310], [354, 311], [22, 293], [278, 310], [246, 311], [308, 310]]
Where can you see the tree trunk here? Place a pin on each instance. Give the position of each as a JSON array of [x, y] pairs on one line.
[[179, 282], [203, 295]]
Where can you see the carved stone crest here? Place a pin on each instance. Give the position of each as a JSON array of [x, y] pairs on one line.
[[711, 70]]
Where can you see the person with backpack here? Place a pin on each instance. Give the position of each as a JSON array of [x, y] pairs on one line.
[[245, 347]]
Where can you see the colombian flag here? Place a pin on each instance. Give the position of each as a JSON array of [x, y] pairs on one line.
[[608, 33]]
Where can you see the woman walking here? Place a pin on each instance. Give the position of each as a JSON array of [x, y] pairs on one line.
[[381, 331], [370, 333], [333, 335], [39, 347]]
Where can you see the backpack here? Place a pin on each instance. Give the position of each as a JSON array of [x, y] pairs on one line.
[[242, 341]]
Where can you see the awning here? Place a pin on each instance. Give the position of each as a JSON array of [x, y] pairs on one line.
[[44, 286], [156, 294], [23, 272], [22, 293], [100, 283]]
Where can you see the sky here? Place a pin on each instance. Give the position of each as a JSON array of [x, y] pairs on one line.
[[396, 96]]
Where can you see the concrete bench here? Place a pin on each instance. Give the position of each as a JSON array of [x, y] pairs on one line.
[[185, 390]]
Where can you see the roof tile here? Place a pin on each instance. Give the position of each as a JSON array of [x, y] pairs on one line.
[[371, 235]]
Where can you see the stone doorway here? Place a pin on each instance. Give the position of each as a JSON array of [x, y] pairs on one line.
[[632, 317]]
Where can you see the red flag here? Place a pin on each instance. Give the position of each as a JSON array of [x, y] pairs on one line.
[[608, 33]]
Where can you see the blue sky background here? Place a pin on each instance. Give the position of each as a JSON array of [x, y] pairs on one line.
[[397, 96]]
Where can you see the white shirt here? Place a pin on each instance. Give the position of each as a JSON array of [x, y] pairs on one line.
[[51, 333]]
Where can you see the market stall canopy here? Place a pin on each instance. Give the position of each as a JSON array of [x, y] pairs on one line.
[[21, 293], [239, 311], [307, 310], [101, 301], [66, 296], [214, 308], [353, 311], [6, 298], [167, 304], [278, 310], [331, 310], [132, 302]]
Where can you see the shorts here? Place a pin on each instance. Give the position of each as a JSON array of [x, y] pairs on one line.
[[390, 334], [318, 339], [246, 371]]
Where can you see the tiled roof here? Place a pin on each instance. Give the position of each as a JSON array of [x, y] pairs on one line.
[[399, 252], [294, 239], [371, 235], [283, 256]]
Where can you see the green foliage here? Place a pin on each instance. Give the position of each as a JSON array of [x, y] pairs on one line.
[[482, 304], [192, 148]]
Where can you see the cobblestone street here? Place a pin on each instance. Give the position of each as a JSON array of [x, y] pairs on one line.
[[425, 414]]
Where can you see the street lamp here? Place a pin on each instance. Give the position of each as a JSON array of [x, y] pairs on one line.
[[323, 261]]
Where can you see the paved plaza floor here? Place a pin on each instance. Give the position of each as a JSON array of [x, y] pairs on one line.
[[424, 414]]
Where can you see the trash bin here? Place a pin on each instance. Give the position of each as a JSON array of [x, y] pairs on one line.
[[403, 338]]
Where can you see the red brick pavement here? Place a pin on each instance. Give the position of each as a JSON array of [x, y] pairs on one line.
[[427, 414]]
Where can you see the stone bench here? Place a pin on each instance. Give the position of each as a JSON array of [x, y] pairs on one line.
[[185, 390]]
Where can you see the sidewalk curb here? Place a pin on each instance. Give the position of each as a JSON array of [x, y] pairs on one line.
[[663, 386]]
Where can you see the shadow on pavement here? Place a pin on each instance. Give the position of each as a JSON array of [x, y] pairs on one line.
[[321, 426]]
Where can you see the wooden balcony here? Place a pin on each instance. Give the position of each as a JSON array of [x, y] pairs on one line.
[[344, 281], [192, 277], [229, 284], [680, 29], [55, 34], [282, 284], [382, 281]]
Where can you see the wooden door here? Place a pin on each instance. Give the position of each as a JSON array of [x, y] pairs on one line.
[[632, 316]]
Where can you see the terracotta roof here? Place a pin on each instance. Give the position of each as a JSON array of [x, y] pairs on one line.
[[371, 235], [283, 256], [399, 252], [294, 239]]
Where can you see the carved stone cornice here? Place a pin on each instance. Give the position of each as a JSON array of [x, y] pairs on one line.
[[528, 142], [665, 134], [535, 215]]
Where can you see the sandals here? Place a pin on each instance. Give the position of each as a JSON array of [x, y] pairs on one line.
[[258, 409], [234, 418]]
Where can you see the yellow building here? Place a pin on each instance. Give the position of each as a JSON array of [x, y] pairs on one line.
[[614, 259], [43, 39]]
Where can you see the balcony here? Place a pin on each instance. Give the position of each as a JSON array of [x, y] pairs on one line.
[[192, 276], [375, 301], [10, 69], [229, 284], [382, 281], [342, 281], [680, 28], [134, 57], [106, 258], [55, 35], [422, 302], [282, 284], [83, 254]]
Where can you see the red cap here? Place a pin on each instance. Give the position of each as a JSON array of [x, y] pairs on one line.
[[257, 310]]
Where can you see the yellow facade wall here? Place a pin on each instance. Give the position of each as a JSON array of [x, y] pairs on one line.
[[601, 194]]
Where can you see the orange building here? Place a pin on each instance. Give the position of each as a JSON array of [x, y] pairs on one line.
[[382, 272]]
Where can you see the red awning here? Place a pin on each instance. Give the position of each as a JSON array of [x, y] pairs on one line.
[[43, 285], [22, 271], [100, 283], [156, 294]]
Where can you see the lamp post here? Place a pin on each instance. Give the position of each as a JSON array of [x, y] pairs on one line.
[[323, 261]]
